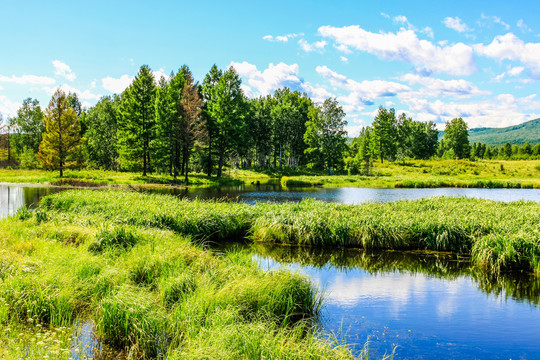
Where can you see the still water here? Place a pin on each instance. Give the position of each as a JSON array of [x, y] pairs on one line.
[[422, 306], [12, 196]]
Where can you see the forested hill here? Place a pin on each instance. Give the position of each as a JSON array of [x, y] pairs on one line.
[[518, 134]]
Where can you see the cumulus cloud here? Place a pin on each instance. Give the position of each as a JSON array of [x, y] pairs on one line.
[[82, 95], [266, 81], [457, 59], [510, 47], [8, 107], [280, 38], [63, 70], [503, 110], [344, 59], [456, 24], [437, 87], [116, 85], [316, 46], [27, 80], [364, 92]]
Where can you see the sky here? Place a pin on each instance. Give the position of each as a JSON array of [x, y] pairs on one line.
[[434, 61]]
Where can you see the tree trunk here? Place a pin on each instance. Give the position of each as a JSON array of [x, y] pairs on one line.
[[209, 164], [280, 158], [220, 164], [186, 160]]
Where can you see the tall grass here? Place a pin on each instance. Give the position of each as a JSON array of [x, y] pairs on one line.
[[150, 291], [499, 236]]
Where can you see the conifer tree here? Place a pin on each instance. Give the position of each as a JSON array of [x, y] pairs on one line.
[[136, 121], [61, 140]]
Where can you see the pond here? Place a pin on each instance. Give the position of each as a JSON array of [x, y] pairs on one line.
[[422, 305]]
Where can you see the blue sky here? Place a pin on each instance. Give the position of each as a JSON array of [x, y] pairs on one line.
[[435, 61]]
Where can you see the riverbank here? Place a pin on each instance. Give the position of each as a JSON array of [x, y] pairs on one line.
[[409, 174], [148, 290]]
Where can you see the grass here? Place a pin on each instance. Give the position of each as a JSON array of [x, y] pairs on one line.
[[96, 178], [148, 289], [498, 236], [433, 173], [409, 174]]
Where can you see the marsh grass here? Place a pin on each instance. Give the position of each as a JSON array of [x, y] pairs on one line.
[[150, 291]]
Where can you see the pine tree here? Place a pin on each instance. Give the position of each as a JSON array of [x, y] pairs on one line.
[[61, 140], [136, 121]]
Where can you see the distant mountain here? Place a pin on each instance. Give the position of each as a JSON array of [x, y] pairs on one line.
[[518, 134]]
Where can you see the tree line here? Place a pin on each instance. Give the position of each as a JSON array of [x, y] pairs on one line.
[[176, 125]]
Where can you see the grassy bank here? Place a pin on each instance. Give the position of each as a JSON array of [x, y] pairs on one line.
[[431, 173], [498, 236], [96, 178], [149, 290], [410, 174]]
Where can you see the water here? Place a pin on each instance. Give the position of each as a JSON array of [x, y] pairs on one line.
[[14, 196], [423, 306]]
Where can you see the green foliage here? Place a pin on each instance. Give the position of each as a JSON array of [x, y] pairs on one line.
[[226, 108], [28, 159], [528, 131], [384, 133], [101, 138], [29, 127], [136, 122], [456, 138], [325, 136], [60, 147]]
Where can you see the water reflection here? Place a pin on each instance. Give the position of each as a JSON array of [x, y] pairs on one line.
[[430, 304]]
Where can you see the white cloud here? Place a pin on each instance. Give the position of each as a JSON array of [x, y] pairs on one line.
[[316, 46], [521, 24], [8, 107], [361, 93], [27, 80], [158, 74], [280, 38], [456, 24], [457, 59], [83, 95], [485, 19], [63, 70], [317, 93], [385, 15], [344, 59], [401, 19], [93, 84], [116, 85], [503, 110], [437, 87], [266, 81], [515, 71], [510, 47]]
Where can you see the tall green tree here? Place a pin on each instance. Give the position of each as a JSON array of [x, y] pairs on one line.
[[456, 138], [209, 95], [227, 109], [326, 136], [136, 121], [61, 140], [28, 126], [384, 134], [102, 120], [192, 127]]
